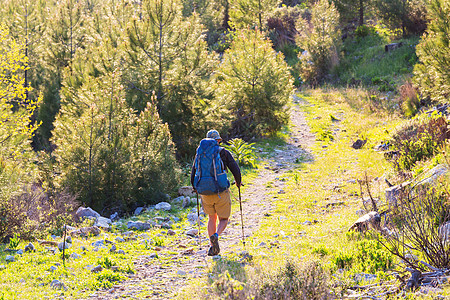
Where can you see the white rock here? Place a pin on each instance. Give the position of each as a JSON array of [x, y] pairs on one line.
[[66, 245], [192, 232], [163, 206], [2, 267], [75, 256], [53, 269], [181, 273], [86, 212], [10, 258], [120, 251], [114, 216], [138, 225], [103, 222], [192, 217], [186, 191], [120, 240], [58, 285], [20, 252], [138, 211]]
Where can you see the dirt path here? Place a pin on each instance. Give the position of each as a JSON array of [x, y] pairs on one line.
[[157, 280]]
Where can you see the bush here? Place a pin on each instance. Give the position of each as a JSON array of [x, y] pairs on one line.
[[364, 30], [293, 281], [242, 152], [367, 256], [320, 38], [417, 140], [414, 225], [254, 85], [34, 213], [409, 99]]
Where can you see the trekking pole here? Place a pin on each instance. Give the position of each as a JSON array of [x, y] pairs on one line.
[[198, 222], [242, 218]]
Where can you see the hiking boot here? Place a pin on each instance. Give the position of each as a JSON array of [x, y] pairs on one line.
[[214, 249]]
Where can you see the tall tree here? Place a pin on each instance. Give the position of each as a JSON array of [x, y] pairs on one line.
[[350, 10], [65, 35], [432, 73], [168, 55], [254, 84], [250, 13]]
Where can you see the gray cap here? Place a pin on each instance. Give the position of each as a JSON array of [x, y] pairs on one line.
[[213, 134]]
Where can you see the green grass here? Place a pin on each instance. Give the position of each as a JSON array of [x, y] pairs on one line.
[[365, 61]]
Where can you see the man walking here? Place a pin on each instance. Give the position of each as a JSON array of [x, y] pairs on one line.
[[208, 178]]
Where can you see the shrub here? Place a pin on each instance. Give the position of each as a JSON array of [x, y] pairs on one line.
[[320, 38], [418, 139], [431, 73], [242, 152], [254, 85], [34, 213], [409, 99], [292, 281], [364, 30], [414, 225], [367, 256]]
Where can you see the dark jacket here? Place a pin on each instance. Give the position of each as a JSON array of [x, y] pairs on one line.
[[230, 164]]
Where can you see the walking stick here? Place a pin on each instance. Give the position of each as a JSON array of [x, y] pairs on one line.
[[198, 222], [242, 218]]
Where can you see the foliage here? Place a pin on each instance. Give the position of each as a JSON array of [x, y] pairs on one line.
[[251, 13], [415, 225], [14, 242], [168, 55], [308, 281], [367, 256], [281, 25], [431, 73], [34, 213], [107, 278], [409, 15], [410, 99], [364, 30], [254, 85], [417, 140], [109, 155], [320, 38], [242, 152]]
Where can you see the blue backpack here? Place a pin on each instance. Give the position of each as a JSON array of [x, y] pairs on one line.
[[210, 177]]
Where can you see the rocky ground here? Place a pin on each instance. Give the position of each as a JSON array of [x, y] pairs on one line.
[[161, 279]]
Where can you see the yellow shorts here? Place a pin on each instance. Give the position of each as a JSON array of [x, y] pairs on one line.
[[217, 204]]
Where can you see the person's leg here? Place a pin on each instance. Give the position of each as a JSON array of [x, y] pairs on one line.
[[222, 225], [212, 224]]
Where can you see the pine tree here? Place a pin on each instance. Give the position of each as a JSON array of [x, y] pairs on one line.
[[251, 13], [320, 38], [432, 73], [254, 84], [66, 34]]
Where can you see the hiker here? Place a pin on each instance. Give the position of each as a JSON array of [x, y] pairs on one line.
[[209, 179]]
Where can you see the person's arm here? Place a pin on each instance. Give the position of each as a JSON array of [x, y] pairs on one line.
[[231, 164]]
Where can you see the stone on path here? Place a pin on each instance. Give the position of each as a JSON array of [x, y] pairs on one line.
[[10, 258], [58, 285], [64, 245], [138, 225], [103, 222], [186, 191], [163, 206], [138, 211], [192, 232]]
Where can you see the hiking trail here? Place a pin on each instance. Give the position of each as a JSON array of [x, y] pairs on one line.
[[156, 279]]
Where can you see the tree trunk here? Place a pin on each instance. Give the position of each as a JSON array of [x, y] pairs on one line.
[[226, 16], [361, 12]]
